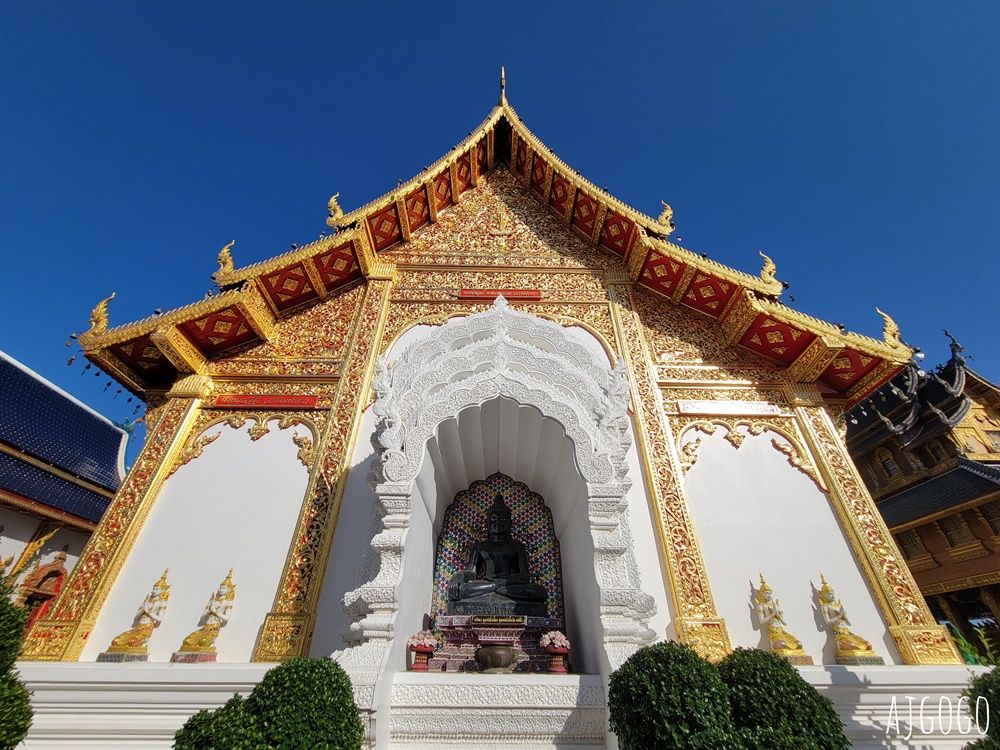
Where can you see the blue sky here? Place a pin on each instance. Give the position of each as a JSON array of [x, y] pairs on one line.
[[855, 143]]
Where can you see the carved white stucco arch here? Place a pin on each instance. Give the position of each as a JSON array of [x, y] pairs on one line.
[[501, 353]]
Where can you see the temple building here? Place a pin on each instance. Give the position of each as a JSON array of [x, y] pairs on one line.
[[492, 410], [60, 465], [927, 445]]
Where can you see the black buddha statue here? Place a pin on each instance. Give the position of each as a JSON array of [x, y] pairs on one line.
[[497, 580]]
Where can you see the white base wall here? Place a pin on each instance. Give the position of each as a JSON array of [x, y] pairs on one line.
[[127, 706]]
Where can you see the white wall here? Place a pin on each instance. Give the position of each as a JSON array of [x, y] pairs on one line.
[[235, 506], [753, 513]]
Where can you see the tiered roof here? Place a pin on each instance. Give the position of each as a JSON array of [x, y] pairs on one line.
[[58, 458], [148, 355]]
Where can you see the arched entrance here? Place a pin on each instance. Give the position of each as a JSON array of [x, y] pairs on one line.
[[498, 391]]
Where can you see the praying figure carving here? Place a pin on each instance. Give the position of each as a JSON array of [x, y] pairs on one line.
[[497, 579], [215, 616], [849, 645], [771, 617], [149, 616]]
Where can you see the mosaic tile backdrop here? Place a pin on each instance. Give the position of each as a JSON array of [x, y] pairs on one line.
[[465, 524]]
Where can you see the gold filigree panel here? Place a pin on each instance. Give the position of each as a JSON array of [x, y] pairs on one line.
[[473, 233]]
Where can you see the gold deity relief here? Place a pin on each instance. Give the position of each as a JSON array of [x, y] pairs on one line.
[[213, 619], [149, 616], [772, 620], [851, 649]]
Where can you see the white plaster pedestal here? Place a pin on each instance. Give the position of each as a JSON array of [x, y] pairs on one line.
[[87, 705]]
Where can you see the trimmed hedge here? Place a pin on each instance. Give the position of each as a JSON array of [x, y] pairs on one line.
[[987, 686], [769, 696], [303, 703], [667, 697], [15, 708]]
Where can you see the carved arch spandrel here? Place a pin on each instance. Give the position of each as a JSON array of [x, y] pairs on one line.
[[790, 444], [199, 438]]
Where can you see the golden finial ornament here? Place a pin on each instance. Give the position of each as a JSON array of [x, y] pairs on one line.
[[335, 212], [768, 270], [852, 649], [890, 331], [149, 616], [666, 218], [99, 317], [225, 259], [503, 86]]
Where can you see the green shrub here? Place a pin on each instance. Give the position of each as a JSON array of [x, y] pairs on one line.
[[769, 697], [15, 708], [984, 743], [986, 685], [667, 697], [304, 703], [307, 703]]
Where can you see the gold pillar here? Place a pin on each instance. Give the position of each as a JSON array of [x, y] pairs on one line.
[[288, 627], [918, 637], [695, 616], [61, 636]]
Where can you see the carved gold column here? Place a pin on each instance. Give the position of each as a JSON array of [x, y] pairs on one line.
[[695, 617], [61, 636], [288, 627], [918, 637]]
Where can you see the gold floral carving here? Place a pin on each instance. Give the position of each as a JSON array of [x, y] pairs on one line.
[[683, 560], [709, 637], [284, 636], [682, 393], [193, 450], [62, 635], [918, 637], [306, 451]]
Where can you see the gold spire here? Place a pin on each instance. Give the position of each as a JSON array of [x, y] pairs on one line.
[[503, 85], [768, 270], [225, 260], [99, 317], [890, 331]]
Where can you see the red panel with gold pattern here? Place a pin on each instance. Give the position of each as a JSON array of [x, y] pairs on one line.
[[417, 210], [775, 339], [442, 189], [848, 368], [585, 214], [385, 228], [144, 358], [709, 294], [617, 235], [338, 265], [219, 330], [662, 274], [482, 156], [463, 173], [538, 172], [522, 158], [561, 192], [289, 286]]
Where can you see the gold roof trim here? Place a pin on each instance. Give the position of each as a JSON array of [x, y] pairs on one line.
[[719, 270], [856, 341], [129, 331]]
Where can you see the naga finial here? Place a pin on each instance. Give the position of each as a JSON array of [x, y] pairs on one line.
[[890, 331], [768, 270], [99, 317], [665, 219], [225, 260], [956, 348], [336, 213]]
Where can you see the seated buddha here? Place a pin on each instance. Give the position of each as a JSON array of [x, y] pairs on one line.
[[497, 580]]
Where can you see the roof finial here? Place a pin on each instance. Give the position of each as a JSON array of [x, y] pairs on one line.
[[768, 270], [225, 260], [890, 331], [336, 213], [665, 218], [503, 85], [99, 317]]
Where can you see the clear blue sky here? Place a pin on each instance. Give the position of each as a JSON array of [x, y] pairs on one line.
[[854, 142]]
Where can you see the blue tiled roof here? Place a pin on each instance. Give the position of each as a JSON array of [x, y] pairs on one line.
[[39, 485], [40, 419]]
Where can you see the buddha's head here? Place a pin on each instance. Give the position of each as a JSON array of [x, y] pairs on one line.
[[498, 521]]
